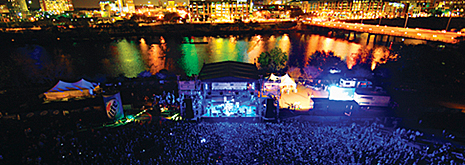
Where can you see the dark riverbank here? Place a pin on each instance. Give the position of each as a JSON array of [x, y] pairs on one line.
[[108, 32]]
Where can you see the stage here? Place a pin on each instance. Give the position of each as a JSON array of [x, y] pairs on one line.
[[230, 107], [232, 119]]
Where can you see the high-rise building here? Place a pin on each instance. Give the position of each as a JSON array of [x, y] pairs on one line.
[[130, 5], [455, 7], [108, 8], [17, 7], [211, 10], [417, 7], [56, 6], [4, 9], [126, 6], [171, 6], [348, 8]]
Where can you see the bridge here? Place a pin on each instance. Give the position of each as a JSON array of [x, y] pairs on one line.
[[415, 33]]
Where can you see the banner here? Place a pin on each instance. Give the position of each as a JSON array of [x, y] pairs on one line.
[[113, 106], [229, 86]]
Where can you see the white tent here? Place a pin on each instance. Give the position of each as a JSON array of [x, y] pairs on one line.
[[287, 84], [273, 77], [65, 90]]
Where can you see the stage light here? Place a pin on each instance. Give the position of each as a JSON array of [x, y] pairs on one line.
[[130, 117]]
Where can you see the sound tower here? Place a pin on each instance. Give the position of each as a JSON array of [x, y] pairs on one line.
[[270, 109], [189, 110]]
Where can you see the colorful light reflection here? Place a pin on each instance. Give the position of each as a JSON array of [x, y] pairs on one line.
[[129, 59]]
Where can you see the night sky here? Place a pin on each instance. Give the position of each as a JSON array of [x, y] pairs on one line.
[[86, 3]]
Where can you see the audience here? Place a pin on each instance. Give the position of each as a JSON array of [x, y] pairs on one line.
[[169, 142]]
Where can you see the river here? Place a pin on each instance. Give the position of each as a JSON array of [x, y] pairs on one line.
[[130, 56]]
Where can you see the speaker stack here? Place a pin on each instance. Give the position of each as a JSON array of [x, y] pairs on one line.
[[189, 110], [270, 112]]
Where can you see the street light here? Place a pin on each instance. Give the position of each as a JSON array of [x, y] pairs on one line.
[[380, 17], [448, 22], [406, 20]]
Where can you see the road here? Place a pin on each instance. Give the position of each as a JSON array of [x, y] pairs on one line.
[[417, 33]]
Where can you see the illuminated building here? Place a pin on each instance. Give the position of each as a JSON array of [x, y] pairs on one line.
[[3, 13], [171, 6], [126, 6], [454, 7], [274, 10], [442, 8], [417, 8], [108, 8], [111, 8], [349, 9], [216, 10], [56, 6], [130, 5], [18, 8], [4, 9]]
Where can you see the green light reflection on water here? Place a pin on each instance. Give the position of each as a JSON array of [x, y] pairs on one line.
[[190, 60], [129, 58]]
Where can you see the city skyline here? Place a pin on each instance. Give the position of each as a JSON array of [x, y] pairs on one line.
[[95, 3]]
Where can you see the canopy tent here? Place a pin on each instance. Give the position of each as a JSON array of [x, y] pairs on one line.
[[287, 84], [283, 83], [273, 77], [65, 90]]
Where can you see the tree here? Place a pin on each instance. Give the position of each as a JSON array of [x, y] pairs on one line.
[[364, 57], [273, 61], [311, 72], [324, 61], [296, 13], [362, 72], [294, 72], [171, 16]]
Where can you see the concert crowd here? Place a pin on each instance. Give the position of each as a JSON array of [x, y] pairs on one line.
[[169, 142]]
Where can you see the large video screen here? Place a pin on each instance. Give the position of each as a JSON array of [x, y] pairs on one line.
[[338, 93]]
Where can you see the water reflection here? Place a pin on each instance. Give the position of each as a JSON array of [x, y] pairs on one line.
[[190, 62], [255, 47], [171, 53], [153, 56], [284, 43], [129, 60], [348, 51]]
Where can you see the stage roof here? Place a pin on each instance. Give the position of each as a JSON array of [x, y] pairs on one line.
[[228, 71]]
